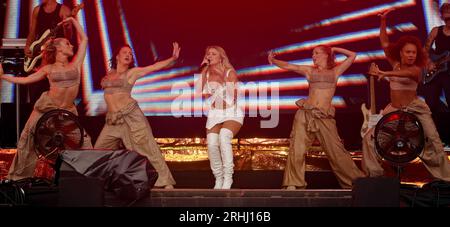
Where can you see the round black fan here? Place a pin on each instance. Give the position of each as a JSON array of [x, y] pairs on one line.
[[57, 130], [399, 137]]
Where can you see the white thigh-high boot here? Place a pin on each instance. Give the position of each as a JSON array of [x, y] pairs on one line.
[[214, 158], [226, 150]]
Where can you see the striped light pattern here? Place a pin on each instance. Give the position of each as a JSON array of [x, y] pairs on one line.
[[252, 106], [156, 83], [343, 38], [11, 31], [104, 34], [270, 69], [357, 15], [156, 92], [432, 14], [126, 32], [86, 73]]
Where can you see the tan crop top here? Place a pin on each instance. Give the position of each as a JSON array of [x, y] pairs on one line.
[[402, 83], [117, 84], [64, 79], [322, 80]]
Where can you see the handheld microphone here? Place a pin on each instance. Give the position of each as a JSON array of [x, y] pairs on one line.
[[204, 64]]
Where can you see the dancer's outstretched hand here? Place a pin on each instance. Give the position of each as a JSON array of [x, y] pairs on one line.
[[176, 50]]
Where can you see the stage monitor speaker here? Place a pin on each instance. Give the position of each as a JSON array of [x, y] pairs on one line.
[[8, 125], [376, 192], [81, 191], [433, 194], [33, 192], [11, 194], [127, 174]]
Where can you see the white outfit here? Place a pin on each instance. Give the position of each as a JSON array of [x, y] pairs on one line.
[[220, 150], [215, 158], [219, 92], [218, 116]]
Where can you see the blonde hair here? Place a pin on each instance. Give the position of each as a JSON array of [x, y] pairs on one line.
[[50, 50], [223, 56]]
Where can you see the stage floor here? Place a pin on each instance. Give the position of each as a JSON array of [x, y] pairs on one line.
[[247, 198], [254, 158]]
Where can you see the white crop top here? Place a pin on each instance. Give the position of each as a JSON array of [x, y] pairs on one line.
[[218, 90]]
